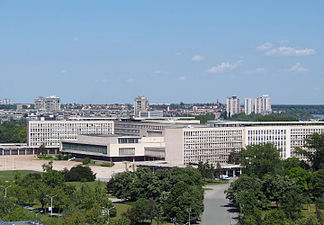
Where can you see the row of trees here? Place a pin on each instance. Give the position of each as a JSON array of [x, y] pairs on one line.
[[13, 132], [274, 191], [162, 195]]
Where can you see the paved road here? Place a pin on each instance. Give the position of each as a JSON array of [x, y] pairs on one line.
[[217, 208]]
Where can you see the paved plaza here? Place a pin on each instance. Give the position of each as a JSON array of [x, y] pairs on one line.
[[29, 162]]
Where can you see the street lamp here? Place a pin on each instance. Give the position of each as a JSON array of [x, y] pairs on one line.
[[189, 211], [51, 203], [5, 188], [37, 215], [108, 211]]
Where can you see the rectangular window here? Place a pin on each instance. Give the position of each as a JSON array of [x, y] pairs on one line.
[[126, 151]]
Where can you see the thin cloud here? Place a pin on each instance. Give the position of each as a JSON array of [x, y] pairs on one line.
[[104, 81], [256, 70], [76, 39], [224, 66], [298, 68], [130, 80], [264, 47], [63, 71], [182, 78], [284, 42], [178, 53], [197, 58], [289, 51]]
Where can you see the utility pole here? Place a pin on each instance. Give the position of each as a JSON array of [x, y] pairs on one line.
[[51, 203], [5, 189]]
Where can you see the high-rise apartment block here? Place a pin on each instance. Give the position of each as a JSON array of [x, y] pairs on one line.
[[248, 106], [262, 105], [233, 106], [48, 104], [140, 104], [6, 101]]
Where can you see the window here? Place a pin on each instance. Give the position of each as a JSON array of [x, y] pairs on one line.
[[126, 151]]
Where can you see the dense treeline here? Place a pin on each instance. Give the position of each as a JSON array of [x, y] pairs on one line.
[[312, 109], [161, 195], [283, 116], [13, 132], [276, 191], [12, 107]]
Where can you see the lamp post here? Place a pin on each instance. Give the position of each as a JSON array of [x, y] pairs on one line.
[[5, 189], [37, 215], [189, 211], [108, 211], [51, 203]]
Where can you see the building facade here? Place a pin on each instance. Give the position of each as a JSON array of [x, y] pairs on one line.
[[233, 106], [116, 148], [214, 144], [48, 104], [248, 106], [140, 104], [50, 133], [262, 105]]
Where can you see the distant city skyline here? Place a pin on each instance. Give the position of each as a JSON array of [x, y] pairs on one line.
[[169, 51]]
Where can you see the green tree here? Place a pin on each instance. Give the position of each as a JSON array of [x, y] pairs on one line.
[[316, 143], [261, 160], [18, 214], [318, 183]]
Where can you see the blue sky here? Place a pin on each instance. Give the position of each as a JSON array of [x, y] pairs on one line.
[[169, 51]]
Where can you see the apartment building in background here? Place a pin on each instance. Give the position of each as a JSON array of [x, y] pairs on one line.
[[248, 106], [49, 104], [140, 104], [262, 105], [5, 101], [233, 106], [50, 133]]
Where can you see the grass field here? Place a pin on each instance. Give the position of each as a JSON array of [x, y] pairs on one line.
[[10, 175]]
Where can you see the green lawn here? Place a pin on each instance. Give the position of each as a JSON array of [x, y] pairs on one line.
[[91, 184], [10, 175], [212, 182]]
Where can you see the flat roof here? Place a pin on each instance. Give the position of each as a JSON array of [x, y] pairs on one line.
[[246, 123]]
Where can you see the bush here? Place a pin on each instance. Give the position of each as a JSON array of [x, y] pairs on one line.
[[45, 157], [86, 161], [107, 164], [80, 173]]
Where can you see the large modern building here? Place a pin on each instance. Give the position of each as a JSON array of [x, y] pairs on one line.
[[140, 104], [116, 148], [233, 106], [48, 104], [214, 144], [142, 127], [50, 133]]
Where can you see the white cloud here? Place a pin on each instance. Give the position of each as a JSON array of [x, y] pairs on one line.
[[178, 53], [289, 51], [182, 78], [63, 71], [256, 70], [197, 58], [298, 68], [75, 38], [104, 81], [264, 47], [130, 80], [284, 42], [224, 66]]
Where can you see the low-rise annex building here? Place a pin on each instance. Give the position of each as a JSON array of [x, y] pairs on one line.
[[115, 148]]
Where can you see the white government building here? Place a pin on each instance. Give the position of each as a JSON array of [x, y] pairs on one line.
[[178, 142]]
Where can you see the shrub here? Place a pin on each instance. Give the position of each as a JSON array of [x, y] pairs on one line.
[[86, 161], [107, 164]]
